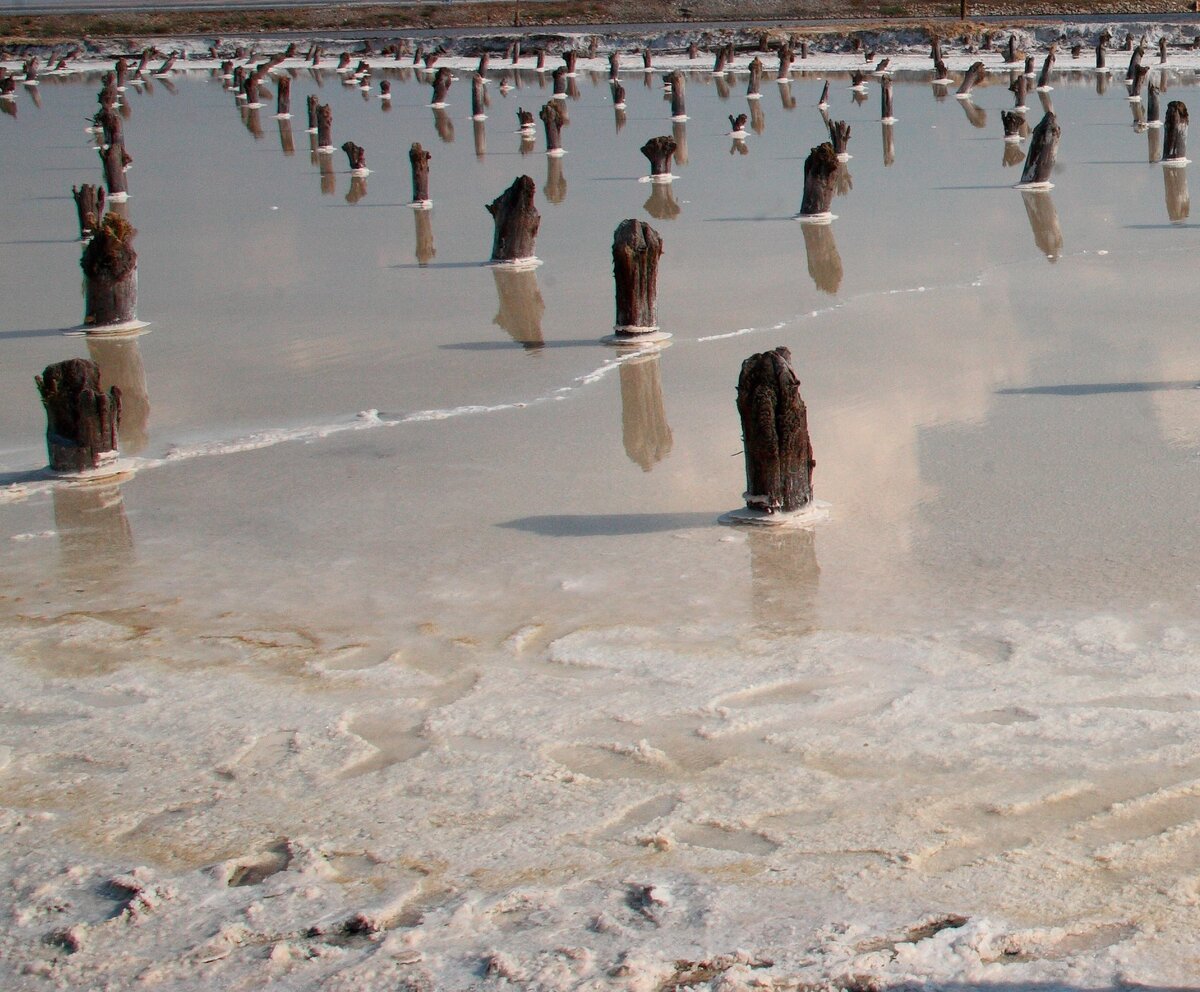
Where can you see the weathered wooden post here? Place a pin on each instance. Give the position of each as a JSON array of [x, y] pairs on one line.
[[1013, 122], [787, 55], [516, 222], [569, 58], [167, 65], [343, 64], [659, 151], [1047, 68], [283, 98], [357, 157], [1134, 85], [881, 67], [973, 75], [648, 59], [1076, 51], [31, 71], [824, 261], [1043, 147], [525, 120], [516, 52], [839, 138], [441, 84], [618, 96], [325, 129], [559, 81], [81, 418], [1135, 60], [1175, 136], [1153, 110], [1019, 88], [678, 109], [820, 170], [636, 250], [887, 114], [1100, 61], [941, 75], [737, 125], [756, 71], [419, 158], [1029, 66], [540, 65], [778, 451], [552, 119], [115, 160], [721, 61], [312, 104], [823, 102], [385, 93], [109, 266], [520, 306], [89, 205], [478, 98], [858, 81], [614, 64], [1162, 50], [1175, 185]]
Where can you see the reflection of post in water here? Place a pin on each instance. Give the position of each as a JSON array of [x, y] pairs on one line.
[[286, 142], [889, 144], [679, 133], [758, 121], [425, 249], [93, 531], [1047, 103], [1179, 203], [358, 189], [739, 147], [443, 124], [824, 262], [1043, 219], [521, 305], [1139, 114], [328, 182], [480, 139], [859, 97], [253, 124], [784, 577], [786, 96], [975, 114], [556, 182], [722, 83], [120, 362], [314, 156], [619, 118], [1014, 154], [843, 181], [644, 428], [1154, 144], [662, 204]]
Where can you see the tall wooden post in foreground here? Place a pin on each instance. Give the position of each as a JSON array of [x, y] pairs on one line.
[[516, 222], [779, 459], [637, 247], [81, 419], [110, 269], [820, 171]]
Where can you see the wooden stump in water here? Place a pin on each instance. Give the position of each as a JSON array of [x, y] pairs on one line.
[[516, 222], [516, 52], [419, 158], [778, 451], [737, 124], [1029, 65], [121, 72], [1043, 147], [441, 85], [787, 55], [1013, 122], [89, 205], [1153, 109], [820, 172], [1128, 46], [886, 111], [693, 51], [569, 57], [636, 250], [659, 151], [839, 137], [858, 80], [1019, 87], [721, 61], [824, 101], [313, 104], [756, 70], [1139, 77], [552, 120], [1047, 68], [541, 58], [1162, 50], [614, 65], [482, 68], [618, 95], [1076, 50], [559, 81], [478, 97], [109, 266], [973, 76], [115, 159], [1135, 60], [677, 95], [1175, 126], [81, 418], [108, 95], [324, 126], [525, 119], [935, 48], [283, 97], [343, 64], [356, 154], [648, 58], [385, 92], [803, 48], [1100, 54]]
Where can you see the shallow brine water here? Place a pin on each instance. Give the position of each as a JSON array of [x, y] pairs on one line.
[[412, 649]]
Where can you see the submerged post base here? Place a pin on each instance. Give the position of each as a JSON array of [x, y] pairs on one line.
[[813, 513]]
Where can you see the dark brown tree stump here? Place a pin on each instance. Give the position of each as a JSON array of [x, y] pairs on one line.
[[721, 61], [973, 75], [659, 151], [886, 111], [737, 125], [935, 48], [109, 266], [614, 65], [121, 75], [941, 74], [1139, 77], [839, 137], [1043, 221], [356, 154], [419, 158], [108, 95], [385, 92], [343, 63], [778, 451], [882, 66], [569, 57], [520, 306], [820, 172], [81, 418], [167, 65], [1010, 50], [678, 108], [1043, 148], [482, 68], [1019, 87], [30, 68], [787, 55], [756, 71], [618, 96], [1076, 51], [325, 127], [824, 261], [1135, 60], [552, 119], [313, 105], [478, 97], [1153, 107], [1013, 122], [441, 85], [645, 433], [858, 80], [115, 160], [1100, 62], [1029, 65], [1175, 136], [283, 97], [525, 119], [516, 52], [1047, 69], [824, 101], [541, 58], [559, 82], [1175, 185], [636, 250], [803, 48], [516, 222], [89, 205], [111, 129]]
